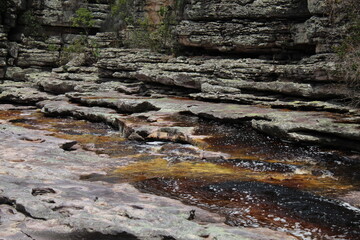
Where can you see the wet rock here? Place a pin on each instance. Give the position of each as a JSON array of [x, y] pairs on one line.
[[63, 108], [299, 126], [135, 136], [297, 203], [134, 128], [322, 131], [122, 103], [173, 134], [42, 193], [262, 166], [302, 126], [352, 198]]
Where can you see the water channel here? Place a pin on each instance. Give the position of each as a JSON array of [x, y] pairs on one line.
[[262, 181]]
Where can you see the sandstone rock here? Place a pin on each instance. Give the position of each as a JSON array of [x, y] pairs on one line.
[[318, 31], [71, 207], [59, 13], [77, 60], [299, 126], [23, 95], [106, 39], [36, 57], [301, 78], [3, 52], [19, 74], [244, 36], [213, 9]]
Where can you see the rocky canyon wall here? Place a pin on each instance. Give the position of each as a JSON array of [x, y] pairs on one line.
[[247, 26], [34, 32], [247, 50]]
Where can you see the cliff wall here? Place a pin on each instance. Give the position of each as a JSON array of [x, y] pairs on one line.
[[279, 26]]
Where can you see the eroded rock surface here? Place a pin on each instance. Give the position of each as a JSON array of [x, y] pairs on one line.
[[317, 122], [41, 197]]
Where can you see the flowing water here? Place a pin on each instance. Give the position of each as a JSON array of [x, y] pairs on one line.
[[264, 183]]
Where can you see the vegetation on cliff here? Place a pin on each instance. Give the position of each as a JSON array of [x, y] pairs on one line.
[[32, 25], [83, 19], [144, 32], [349, 50]]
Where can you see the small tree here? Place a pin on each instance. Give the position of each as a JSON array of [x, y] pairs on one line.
[[84, 19]]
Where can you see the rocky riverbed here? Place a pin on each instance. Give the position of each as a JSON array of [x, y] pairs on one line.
[[77, 174], [43, 196], [244, 132]]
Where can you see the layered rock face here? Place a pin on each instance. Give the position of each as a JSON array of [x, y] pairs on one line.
[[258, 27], [241, 26], [33, 33]]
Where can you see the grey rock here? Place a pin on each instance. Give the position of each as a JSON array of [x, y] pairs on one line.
[[246, 36], [317, 6], [13, 49], [19, 74], [298, 78], [25, 95], [213, 9], [37, 57]]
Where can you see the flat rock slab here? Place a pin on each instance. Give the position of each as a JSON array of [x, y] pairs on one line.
[[324, 128], [41, 197]]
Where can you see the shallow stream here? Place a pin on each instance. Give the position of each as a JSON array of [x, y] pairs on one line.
[[263, 182]]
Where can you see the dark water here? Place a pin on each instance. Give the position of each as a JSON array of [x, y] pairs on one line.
[[264, 183]]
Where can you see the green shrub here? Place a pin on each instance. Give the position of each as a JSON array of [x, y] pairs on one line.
[[53, 47], [142, 33], [84, 19]]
